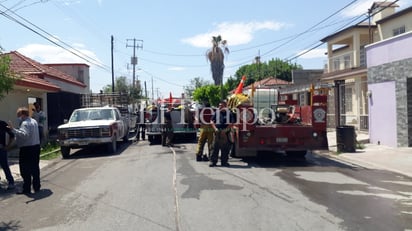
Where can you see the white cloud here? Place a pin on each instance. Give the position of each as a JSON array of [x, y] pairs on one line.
[[54, 54], [176, 69], [361, 7], [236, 33], [313, 54]]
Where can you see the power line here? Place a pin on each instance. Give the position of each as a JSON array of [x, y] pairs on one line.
[[308, 30], [341, 28], [68, 47]]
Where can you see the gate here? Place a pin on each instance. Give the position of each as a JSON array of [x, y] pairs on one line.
[[60, 106]]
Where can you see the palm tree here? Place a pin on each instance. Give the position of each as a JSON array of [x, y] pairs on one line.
[[216, 58]]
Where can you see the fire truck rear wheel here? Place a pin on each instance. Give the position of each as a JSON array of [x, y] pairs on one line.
[[150, 138], [299, 155], [163, 139]]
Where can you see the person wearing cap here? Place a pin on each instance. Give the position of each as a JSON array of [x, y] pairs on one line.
[[27, 139]]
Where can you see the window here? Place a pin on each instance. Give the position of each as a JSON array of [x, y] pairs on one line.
[[348, 99], [346, 60], [399, 30], [336, 64]]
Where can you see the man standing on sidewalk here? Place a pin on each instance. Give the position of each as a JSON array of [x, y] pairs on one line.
[[27, 138], [4, 129]]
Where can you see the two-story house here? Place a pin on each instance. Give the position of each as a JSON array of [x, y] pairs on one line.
[[346, 70]]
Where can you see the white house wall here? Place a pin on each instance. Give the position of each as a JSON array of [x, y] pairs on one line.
[[68, 87], [389, 50]]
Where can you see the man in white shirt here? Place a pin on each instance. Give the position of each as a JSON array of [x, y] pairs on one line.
[[27, 139]]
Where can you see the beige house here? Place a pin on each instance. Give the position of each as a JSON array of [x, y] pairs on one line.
[[37, 80], [346, 70]]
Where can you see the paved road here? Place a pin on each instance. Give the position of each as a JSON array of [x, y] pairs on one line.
[[150, 187]]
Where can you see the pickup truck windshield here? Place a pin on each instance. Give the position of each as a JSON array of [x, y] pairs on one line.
[[92, 114]]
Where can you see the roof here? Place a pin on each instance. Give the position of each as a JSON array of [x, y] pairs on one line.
[[269, 82], [360, 25], [33, 73], [33, 81], [384, 4]]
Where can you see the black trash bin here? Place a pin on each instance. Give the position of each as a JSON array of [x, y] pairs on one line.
[[346, 138]]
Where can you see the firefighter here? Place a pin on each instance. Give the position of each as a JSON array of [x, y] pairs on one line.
[[206, 133], [167, 136], [221, 123]]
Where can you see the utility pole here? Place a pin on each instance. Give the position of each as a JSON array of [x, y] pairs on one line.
[[134, 58], [112, 67], [152, 89]]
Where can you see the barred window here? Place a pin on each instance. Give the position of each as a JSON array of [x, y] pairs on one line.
[[399, 30]]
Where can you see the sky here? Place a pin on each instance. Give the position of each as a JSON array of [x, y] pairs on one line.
[[170, 38]]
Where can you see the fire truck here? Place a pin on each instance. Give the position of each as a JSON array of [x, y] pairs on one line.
[[278, 125], [182, 120]]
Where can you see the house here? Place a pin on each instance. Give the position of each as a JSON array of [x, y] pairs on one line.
[[389, 67], [269, 82], [52, 88], [346, 70]]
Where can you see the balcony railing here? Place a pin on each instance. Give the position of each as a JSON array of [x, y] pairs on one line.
[[345, 61]]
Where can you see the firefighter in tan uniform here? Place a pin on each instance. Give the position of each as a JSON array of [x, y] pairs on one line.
[[206, 133]]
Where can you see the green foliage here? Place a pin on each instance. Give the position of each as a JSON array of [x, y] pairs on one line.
[[195, 84], [210, 94], [50, 151], [7, 78], [258, 71], [122, 86]]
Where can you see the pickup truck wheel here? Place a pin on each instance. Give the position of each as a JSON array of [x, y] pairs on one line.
[[126, 137], [112, 147], [65, 152]]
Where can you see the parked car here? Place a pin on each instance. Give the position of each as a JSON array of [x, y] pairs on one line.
[[93, 126]]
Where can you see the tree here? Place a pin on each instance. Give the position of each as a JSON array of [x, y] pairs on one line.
[[209, 94], [273, 68], [121, 86], [195, 84], [216, 57], [7, 78]]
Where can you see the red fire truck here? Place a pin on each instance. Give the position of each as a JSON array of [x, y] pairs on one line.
[[283, 127]]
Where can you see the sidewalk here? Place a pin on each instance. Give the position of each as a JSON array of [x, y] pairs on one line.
[[373, 156], [15, 171]]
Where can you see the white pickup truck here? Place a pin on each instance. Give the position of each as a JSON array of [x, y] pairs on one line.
[[93, 126]]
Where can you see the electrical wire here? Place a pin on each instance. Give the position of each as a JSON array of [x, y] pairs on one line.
[[66, 46]]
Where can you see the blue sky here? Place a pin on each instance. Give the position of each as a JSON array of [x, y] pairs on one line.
[[174, 35]]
